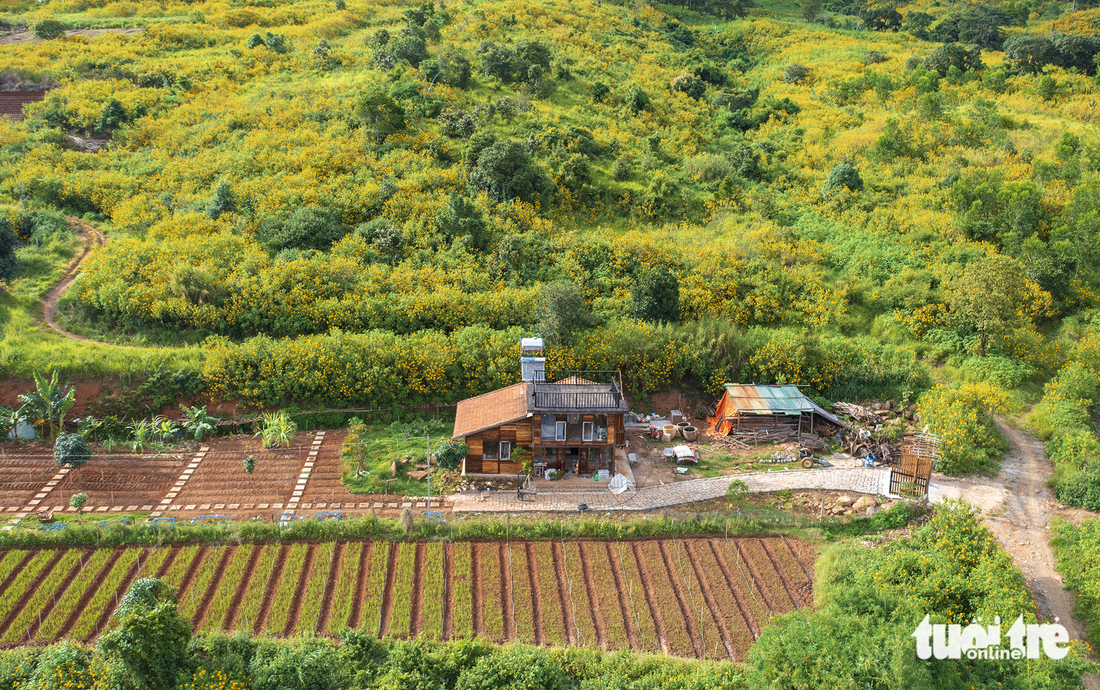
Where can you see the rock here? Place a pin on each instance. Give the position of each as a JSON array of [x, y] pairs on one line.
[[837, 510], [845, 501], [864, 503]]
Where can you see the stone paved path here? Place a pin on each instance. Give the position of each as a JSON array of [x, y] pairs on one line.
[[875, 481]]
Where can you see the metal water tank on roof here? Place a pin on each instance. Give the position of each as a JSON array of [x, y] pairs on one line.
[[530, 345]]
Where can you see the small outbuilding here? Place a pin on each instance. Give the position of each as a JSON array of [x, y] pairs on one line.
[[772, 414]]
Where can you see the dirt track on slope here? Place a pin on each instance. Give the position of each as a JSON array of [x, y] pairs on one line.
[[49, 305], [1018, 506]]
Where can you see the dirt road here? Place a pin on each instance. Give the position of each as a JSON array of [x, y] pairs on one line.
[[92, 236], [1018, 507]]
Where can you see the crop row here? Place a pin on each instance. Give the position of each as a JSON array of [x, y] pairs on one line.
[[106, 598], [462, 578], [314, 595], [370, 618], [493, 608], [42, 598], [550, 606], [577, 602], [249, 610], [86, 577], [288, 585], [433, 592], [523, 615], [404, 582], [701, 597], [23, 581], [347, 581], [216, 612]]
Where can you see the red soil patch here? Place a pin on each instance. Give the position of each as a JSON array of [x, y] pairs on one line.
[[702, 597]]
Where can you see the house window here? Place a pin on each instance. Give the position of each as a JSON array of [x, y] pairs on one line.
[[586, 431], [548, 426], [559, 431], [505, 450]]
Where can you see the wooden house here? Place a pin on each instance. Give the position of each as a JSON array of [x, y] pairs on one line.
[[754, 414], [574, 423]]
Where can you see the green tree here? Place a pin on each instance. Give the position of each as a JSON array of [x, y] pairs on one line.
[[308, 227], [147, 648], [461, 220], [506, 171], [656, 296], [77, 501], [811, 9], [381, 115], [223, 201], [9, 242], [955, 55], [988, 296], [562, 312], [47, 404], [1028, 53], [111, 116]]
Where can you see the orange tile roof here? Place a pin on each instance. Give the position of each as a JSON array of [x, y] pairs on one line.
[[491, 409]]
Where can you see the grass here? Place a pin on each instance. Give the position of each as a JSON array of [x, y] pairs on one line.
[[106, 595], [374, 450], [28, 345]]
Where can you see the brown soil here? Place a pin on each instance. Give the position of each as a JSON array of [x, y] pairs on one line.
[[28, 36], [92, 238], [86, 597], [168, 560], [686, 597], [299, 590], [658, 592], [132, 481], [697, 575], [357, 601], [387, 595]]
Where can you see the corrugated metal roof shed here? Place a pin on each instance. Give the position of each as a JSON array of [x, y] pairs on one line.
[[752, 399]]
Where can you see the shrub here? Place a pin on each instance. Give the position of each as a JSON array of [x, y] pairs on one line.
[[795, 73], [656, 296], [449, 454], [962, 415], [71, 450], [843, 175], [48, 29]]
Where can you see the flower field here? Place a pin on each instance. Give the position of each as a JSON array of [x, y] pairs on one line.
[[703, 597]]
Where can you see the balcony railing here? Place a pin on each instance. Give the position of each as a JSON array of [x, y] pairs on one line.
[[579, 390]]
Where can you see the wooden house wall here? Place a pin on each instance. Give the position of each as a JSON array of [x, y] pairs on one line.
[[523, 434]]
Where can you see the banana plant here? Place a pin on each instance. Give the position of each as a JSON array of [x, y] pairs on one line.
[[166, 429], [198, 422], [47, 404], [142, 435]]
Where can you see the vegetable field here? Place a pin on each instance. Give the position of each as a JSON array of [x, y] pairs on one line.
[[701, 597]]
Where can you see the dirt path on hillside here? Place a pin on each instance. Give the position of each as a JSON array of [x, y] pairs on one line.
[[91, 236], [1018, 506]]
